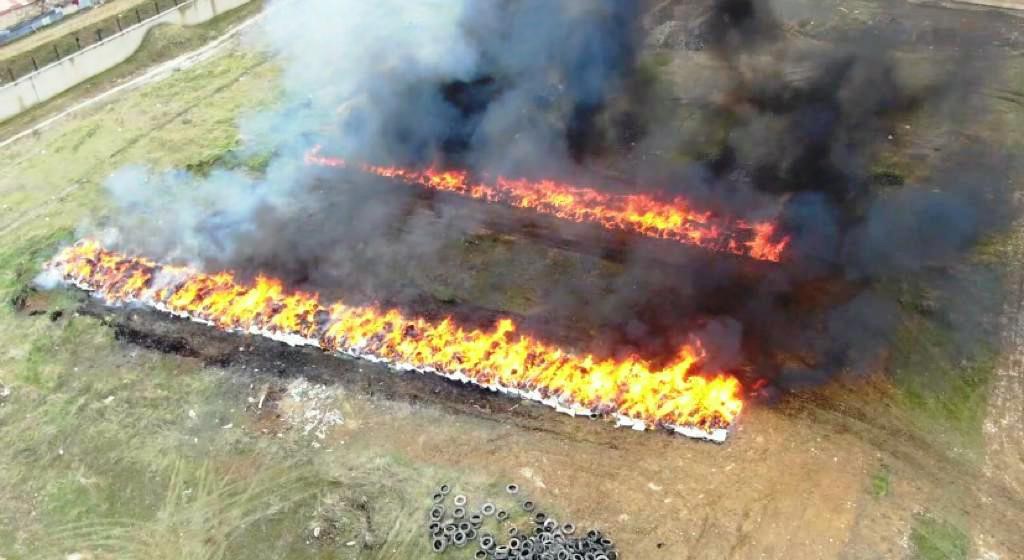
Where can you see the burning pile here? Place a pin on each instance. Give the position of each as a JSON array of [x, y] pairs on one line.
[[677, 397], [639, 214]]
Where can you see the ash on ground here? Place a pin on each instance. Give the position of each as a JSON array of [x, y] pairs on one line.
[[308, 407]]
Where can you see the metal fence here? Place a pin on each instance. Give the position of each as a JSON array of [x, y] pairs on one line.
[[12, 34], [32, 60]]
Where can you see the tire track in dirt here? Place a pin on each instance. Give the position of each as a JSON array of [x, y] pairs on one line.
[[1004, 420]]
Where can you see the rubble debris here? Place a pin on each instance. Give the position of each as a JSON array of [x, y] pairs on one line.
[[308, 407]]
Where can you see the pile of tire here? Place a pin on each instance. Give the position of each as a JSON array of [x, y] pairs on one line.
[[517, 533]]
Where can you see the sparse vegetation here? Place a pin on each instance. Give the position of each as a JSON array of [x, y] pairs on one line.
[[228, 157], [934, 539], [944, 385], [117, 452], [881, 482], [887, 178], [20, 262], [660, 59]]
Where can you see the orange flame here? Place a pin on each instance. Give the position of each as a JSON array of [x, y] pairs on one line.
[[676, 396], [634, 213]]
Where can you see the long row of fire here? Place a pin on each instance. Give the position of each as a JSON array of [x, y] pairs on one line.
[[640, 214], [677, 396]]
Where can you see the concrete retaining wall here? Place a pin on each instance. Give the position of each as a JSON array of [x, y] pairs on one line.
[[60, 76]]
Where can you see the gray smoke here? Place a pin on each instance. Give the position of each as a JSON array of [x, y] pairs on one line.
[[506, 86], [542, 88]]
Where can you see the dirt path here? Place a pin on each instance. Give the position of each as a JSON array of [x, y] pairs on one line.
[[1008, 4], [1004, 426], [1004, 423]]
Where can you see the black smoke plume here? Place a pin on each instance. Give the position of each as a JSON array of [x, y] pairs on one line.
[[563, 89]]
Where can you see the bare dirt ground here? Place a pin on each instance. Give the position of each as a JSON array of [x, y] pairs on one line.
[[107, 415], [1004, 422], [1008, 4], [783, 486]]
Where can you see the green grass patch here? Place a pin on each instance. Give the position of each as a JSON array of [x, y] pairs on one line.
[[102, 445], [945, 351], [945, 390], [887, 178], [881, 482], [20, 263], [254, 163], [660, 59], [995, 250], [230, 157], [934, 539]]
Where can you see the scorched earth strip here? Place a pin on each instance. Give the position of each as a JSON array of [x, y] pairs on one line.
[[678, 397], [637, 213]]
